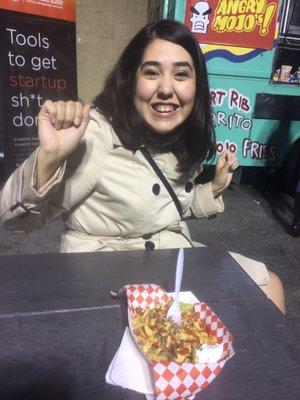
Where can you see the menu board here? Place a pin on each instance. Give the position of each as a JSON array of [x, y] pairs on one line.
[[38, 62]]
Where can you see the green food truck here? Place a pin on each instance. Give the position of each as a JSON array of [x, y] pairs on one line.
[[252, 50]]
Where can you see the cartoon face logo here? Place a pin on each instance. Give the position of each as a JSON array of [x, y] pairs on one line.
[[199, 18]]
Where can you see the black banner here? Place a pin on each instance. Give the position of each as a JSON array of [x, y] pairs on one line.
[[37, 62]]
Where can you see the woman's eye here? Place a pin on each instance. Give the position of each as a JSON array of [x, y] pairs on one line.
[[182, 74], [150, 72]]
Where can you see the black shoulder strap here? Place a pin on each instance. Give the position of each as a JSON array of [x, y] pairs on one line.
[[156, 169]]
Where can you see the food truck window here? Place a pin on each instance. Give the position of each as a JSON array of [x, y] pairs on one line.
[[290, 26], [286, 66]]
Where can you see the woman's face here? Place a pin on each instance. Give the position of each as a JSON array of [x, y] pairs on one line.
[[165, 86]]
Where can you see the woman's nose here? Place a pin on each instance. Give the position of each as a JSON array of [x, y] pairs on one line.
[[165, 88]]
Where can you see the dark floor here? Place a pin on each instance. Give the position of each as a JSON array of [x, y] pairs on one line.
[[255, 223]]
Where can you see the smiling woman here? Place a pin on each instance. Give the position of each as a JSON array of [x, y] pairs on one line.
[[122, 175], [162, 66]]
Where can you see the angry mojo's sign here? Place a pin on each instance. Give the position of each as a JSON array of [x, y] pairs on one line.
[[246, 23]]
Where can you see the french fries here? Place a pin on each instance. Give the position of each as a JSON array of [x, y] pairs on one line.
[[163, 340]]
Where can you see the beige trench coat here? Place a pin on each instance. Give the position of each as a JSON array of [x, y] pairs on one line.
[[109, 197]]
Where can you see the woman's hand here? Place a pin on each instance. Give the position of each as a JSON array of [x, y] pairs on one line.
[[61, 125], [225, 166]]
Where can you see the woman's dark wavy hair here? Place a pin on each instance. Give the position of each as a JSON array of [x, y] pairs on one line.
[[116, 101]]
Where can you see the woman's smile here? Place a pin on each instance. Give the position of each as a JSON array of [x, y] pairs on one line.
[[164, 109]]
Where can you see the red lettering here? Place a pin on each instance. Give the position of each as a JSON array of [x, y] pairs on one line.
[[213, 97], [217, 97], [232, 147], [219, 147], [234, 99], [13, 81], [221, 96], [245, 105]]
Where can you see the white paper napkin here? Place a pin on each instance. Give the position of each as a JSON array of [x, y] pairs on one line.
[[130, 369]]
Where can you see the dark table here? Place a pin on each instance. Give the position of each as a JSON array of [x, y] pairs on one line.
[[59, 327]]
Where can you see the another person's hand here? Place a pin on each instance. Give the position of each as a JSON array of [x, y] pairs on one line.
[[61, 125], [225, 166]]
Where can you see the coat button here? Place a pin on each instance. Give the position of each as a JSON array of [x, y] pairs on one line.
[[147, 236], [156, 189], [149, 245], [189, 186]]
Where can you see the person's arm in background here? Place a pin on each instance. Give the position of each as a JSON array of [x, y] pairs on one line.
[[225, 167], [25, 196], [208, 197]]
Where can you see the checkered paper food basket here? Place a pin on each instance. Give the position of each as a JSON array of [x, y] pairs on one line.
[[174, 380]]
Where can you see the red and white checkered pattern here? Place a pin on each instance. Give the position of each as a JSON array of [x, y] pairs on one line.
[[145, 296], [173, 380], [216, 327]]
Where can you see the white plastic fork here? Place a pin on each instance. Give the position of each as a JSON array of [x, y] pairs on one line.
[[174, 311]]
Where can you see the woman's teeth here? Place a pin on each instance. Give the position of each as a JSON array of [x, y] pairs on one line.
[[164, 108]]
